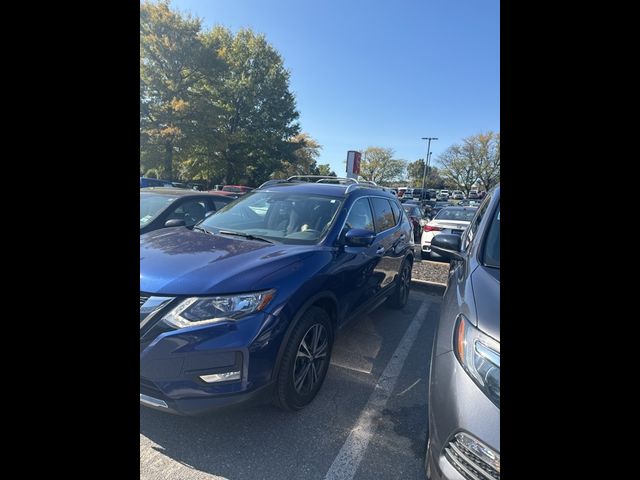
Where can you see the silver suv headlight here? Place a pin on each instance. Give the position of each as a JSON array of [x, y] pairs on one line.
[[197, 311], [479, 355]]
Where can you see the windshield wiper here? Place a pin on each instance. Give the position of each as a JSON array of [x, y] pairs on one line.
[[245, 235], [196, 227]]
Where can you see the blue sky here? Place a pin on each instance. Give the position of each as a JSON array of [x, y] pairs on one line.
[[379, 72]]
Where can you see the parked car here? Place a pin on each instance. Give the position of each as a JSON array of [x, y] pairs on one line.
[[408, 194], [418, 194], [437, 206], [473, 194], [464, 392], [236, 189], [482, 194], [443, 195], [448, 220], [416, 217], [458, 195], [171, 207], [246, 305], [154, 182]]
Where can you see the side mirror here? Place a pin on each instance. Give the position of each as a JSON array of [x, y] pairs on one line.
[[175, 222], [448, 245], [358, 237]]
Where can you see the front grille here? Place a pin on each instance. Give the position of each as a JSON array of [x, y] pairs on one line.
[[143, 299], [468, 463]]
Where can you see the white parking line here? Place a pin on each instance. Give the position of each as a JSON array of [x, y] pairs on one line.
[[344, 466]]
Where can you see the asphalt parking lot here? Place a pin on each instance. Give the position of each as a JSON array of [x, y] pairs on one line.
[[367, 422]]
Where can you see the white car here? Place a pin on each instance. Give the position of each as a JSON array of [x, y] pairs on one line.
[[458, 195], [442, 195], [447, 220]]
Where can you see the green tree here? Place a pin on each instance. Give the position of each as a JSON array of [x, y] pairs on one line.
[[458, 171], [257, 112], [484, 151], [325, 169], [434, 180], [378, 165], [303, 161], [415, 171], [170, 67], [477, 158]]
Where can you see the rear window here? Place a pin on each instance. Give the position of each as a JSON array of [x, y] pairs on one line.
[[456, 214]]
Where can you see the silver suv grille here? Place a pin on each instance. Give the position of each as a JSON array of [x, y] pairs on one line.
[[468, 463]]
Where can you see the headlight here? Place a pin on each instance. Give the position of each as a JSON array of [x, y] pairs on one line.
[[479, 355], [200, 311]]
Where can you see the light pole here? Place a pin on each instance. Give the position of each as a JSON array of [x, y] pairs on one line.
[[424, 175]]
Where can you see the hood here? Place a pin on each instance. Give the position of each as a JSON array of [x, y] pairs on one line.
[[179, 261], [486, 292]]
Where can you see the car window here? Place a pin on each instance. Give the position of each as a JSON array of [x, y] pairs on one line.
[[473, 226], [397, 213], [456, 214], [219, 204], [360, 215], [286, 217], [492, 242], [383, 215], [151, 205], [191, 212]]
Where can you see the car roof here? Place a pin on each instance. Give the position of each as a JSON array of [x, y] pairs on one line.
[[180, 192], [331, 189]]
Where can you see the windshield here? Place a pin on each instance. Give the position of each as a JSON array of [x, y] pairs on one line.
[[151, 205], [279, 216], [456, 214]]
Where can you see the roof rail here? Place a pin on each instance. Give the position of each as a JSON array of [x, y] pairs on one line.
[[319, 178], [350, 182], [366, 184]]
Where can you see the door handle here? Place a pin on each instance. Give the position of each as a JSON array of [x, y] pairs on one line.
[[380, 251]]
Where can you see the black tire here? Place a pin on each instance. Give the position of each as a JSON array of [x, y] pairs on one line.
[[400, 295], [294, 388]]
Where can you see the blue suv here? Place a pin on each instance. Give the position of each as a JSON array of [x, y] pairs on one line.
[[245, 306]]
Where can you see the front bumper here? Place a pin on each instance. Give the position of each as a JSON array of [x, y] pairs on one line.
[[456, 404], [173, 363]]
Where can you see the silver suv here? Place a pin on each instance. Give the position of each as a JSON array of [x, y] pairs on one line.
[[464, 386]]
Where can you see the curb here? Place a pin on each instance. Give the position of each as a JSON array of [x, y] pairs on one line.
[[433, 287]]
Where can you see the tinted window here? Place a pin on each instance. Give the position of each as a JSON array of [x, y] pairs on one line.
[[456, 214], [396, 212], [151, 205], [219, 204], [191, 212], [383, 214], [492, 242], [412, 211], [360, 215]]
